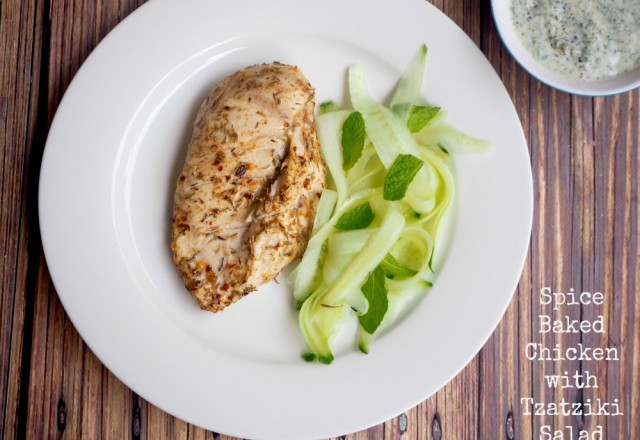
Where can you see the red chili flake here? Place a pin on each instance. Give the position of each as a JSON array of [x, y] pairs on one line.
[[231, 265], [182, 178], [286, 124], [220, 156], [224, 287]]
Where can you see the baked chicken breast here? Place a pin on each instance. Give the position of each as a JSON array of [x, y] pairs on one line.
[[247, 195]]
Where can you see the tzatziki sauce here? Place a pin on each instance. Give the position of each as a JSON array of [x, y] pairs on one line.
[[588, 40]]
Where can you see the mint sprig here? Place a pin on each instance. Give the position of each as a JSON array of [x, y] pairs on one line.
[[375, 291], [353, 134], [400, 176], [420, 117], [357, 218]]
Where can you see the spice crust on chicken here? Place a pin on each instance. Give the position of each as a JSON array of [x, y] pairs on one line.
[[246, 198]]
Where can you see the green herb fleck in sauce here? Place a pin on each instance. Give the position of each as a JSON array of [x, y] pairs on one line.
[[585, 39]]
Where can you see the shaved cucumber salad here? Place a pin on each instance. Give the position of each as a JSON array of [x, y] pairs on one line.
[[389, 185]]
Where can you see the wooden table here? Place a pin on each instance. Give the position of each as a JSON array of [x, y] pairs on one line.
[[584, 156]]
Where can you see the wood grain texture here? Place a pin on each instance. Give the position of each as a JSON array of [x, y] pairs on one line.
[[584, 158]]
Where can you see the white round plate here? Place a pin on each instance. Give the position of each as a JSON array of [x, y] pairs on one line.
[[508, 34], [113, 155]]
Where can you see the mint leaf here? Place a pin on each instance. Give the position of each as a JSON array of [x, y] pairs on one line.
[[400, 175], [375, 291], [353, 133], [420, 116], [328, 106], [393, 269], [357, 218]]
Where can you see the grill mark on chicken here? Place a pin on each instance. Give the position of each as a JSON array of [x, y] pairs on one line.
[[246, 197]]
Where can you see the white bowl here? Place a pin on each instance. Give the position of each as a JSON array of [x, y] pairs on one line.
[[502, 16]]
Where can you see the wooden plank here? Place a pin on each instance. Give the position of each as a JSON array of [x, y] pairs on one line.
[[40, 413], [585, 146], [632, 356], [20, 43], [604, 245], [116, 421], [92, 396], [9, 198]]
